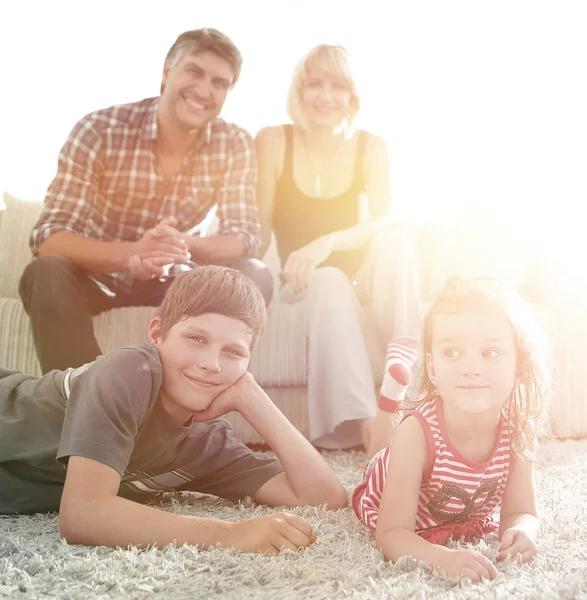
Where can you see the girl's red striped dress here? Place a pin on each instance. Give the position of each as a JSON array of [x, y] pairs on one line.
[[458, 498]]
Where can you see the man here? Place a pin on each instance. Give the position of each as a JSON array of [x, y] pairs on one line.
[[133, 182]]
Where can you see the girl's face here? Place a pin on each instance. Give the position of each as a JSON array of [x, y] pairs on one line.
[[325, 99], [472, 360]]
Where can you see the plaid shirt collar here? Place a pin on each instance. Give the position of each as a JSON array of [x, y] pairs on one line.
[[152, 127]]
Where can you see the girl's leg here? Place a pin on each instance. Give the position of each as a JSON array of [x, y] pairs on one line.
[[402, 353], [389, 282], [341, 390], [366, 497]]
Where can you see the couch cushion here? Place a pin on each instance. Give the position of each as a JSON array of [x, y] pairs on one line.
[[15, 227], [280, 358]]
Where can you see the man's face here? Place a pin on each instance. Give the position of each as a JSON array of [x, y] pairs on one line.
[[195, 89], [202, 357]]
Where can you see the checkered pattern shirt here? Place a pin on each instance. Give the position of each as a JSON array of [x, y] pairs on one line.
[[108, 185]]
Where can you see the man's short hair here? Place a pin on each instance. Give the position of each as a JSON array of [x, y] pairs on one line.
[[206, 40], [214, 289]]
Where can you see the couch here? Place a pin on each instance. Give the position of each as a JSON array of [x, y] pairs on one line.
[[280, 361]]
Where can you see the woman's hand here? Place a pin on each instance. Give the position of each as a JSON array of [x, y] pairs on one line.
[[301, 264]]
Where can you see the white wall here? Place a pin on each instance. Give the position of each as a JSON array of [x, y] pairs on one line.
[[481, 103]]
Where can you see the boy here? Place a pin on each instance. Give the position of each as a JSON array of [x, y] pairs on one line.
[[140, 420]]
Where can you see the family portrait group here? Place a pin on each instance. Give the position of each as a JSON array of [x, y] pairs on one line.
[[163, 203]]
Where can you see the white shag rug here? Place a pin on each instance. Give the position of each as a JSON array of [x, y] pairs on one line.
[[343, 563]]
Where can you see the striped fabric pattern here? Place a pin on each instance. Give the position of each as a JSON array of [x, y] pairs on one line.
[[453, 489], [457, 490], [367, 496]]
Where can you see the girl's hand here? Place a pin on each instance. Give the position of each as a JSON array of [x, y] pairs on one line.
[[468, 563], [301, 264], [514, 541]]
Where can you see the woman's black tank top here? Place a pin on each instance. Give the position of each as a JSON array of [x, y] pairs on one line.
[[299, 219]]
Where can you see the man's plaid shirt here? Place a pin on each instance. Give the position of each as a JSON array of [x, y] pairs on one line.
[[108, 185]]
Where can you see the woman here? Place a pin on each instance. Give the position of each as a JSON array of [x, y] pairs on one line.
[[315, 176]]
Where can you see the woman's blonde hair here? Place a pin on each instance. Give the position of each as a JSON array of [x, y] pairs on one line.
[[328, 60], [529, 400]]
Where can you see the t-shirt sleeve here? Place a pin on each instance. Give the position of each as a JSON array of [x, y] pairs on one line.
[[226, 467], [107, 403]]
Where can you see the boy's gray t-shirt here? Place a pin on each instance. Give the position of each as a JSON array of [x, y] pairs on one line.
[[108, 411]]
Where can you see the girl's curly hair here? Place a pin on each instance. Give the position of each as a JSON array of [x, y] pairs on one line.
[[530, 400]]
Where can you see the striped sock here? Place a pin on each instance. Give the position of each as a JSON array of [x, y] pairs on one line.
[[401, 355]]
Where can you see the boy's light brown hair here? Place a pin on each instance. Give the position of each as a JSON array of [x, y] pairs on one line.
[[214, 289]]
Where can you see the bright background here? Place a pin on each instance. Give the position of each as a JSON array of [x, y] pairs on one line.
[[482, 104]]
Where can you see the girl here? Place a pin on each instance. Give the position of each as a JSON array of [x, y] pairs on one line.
[[323, 191], [468, 447]]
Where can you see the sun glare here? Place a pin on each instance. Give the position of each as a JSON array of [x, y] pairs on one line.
[[481, 104]]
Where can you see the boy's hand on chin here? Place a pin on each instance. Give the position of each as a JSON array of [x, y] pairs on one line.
[[227, 401]]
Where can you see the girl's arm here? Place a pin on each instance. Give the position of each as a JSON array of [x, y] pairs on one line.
[[395, 534], [396, 523], [270, 145], [519, 514]]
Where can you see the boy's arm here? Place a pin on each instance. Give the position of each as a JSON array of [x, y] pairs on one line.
[[306, 479], [92, 514], [519, 514]]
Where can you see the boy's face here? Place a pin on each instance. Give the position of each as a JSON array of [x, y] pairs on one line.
[[201, 356]]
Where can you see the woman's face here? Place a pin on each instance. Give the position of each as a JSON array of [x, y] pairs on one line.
[[326, 100]]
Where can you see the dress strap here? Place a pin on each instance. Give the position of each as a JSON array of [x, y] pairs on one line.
[[359, 177], [287, 172]]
